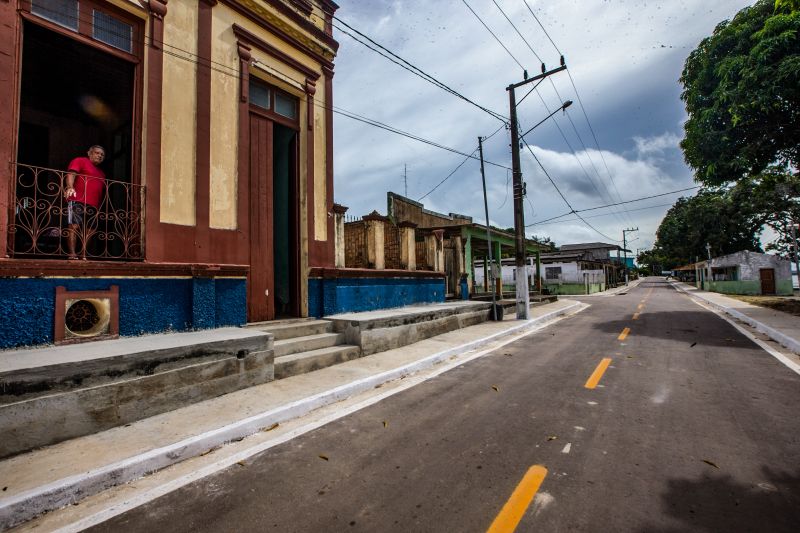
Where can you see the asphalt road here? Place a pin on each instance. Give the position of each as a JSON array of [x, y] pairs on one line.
[[691, 427]]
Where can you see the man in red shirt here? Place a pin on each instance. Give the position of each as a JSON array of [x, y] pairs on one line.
[[83, 190]]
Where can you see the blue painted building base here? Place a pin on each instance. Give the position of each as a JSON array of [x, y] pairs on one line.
[[330, 296], [146, 305]]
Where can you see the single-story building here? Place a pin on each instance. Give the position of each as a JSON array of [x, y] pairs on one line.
[[576, 272], [745, 273]]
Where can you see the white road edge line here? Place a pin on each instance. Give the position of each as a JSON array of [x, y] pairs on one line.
[[763, 345], [157, 492]]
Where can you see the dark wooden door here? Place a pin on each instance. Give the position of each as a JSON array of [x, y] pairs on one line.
[[767, 280], [260, 280]]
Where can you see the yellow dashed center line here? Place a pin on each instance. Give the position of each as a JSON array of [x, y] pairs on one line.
[[624, 334], [514, 509], [594, 379]]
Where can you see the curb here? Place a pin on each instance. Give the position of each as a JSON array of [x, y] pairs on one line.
[[66, 491], [784, 340]]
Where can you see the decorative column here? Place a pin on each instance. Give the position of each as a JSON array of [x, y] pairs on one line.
[[438, 235], [470, 261], [338, 225], [434, 250], [408, 247], [375, 240], [459, 263], [498, 257]]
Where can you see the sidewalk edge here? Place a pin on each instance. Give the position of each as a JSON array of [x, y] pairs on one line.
[[784, 340], [27, 505]]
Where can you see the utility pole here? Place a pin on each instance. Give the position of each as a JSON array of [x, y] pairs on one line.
[[625, 249], [405, 179], [522, 292], [488, 232], [796, 255], [708, 272]]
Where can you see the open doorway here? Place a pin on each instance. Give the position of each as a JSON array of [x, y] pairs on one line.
[[73, 96], [273, 280], [285, 221]]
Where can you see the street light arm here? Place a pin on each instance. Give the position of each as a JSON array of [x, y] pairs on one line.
[[564, 106]]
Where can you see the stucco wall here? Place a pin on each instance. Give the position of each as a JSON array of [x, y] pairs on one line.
[[749, 264], [224, 177], [146, 305], [342, 295], [320, 163], [749, 287], [179, 114]]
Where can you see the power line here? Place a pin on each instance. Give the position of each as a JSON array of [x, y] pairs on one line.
[[583, 109], [541, 26], [580, 102], [572, 209], [597, 216], [618, 203], [392, 129], [518, 32], [493, 35], [234, 73], [470, 156], [396, 59], [575, 154]]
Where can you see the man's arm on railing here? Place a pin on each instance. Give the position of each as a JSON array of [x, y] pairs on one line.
[[69, 185]]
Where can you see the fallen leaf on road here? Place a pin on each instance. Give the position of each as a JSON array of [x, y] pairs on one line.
[[712, 463], [495, 388], [552, 437], [240, 463], [270, 428], [385, 423], [324, 457], [693, 345], [5, 489]]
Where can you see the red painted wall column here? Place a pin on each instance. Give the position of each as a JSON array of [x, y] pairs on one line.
[[154, 239], [9, 76]]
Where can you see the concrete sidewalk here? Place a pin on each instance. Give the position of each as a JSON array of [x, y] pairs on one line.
[[62, 474], [781, 327]]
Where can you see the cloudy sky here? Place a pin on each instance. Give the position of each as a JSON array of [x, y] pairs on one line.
[[625, 57]]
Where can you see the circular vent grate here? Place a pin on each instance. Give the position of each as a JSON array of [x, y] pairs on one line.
[[87, 317], [82, 316]]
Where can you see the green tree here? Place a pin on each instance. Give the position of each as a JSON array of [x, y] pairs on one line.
[[742, 94], [775, 196], [714, 217]]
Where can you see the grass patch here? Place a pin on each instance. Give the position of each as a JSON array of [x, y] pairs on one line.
[[787, 305]]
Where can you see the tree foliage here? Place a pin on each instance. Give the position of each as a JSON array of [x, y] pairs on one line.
[[719, 218], [742, 94]]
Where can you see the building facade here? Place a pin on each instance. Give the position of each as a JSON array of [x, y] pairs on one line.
[[745, 272], [216, 120]]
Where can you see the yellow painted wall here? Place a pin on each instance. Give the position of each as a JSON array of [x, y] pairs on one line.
[[224, 122], [320, 182], [178, 116]]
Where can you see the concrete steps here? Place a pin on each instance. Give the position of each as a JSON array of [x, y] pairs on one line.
[[293, 328], [57, 393], [303, 362], [305, 345]]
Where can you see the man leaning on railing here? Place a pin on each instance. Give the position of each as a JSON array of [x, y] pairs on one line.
[[83, 190]]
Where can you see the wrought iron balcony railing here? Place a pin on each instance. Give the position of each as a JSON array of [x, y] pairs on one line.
[[41, 226]]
